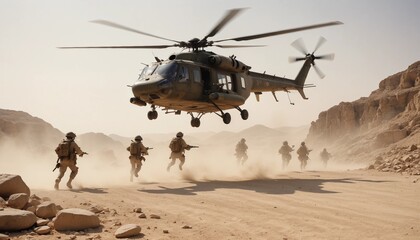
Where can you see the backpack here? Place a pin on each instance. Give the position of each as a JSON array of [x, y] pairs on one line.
[[134, 149], [63, 149], [176, 145]]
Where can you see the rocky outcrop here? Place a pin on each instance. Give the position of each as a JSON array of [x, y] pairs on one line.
[[22, 129], [389, 116], [400, 160]]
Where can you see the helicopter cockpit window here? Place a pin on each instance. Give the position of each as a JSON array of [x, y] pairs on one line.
[[148, 70], [167, 70], [224, 81], [197, 75]]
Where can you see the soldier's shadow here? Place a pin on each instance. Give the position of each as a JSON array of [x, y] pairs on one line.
[[267, 186], [89, 190]]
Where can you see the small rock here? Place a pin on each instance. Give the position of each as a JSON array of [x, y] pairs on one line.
[[154, 216], [4, 237], [137, 210], [128, 230], [43, 230], [42, 222], [186, 227], [165, 231], [142, 215]]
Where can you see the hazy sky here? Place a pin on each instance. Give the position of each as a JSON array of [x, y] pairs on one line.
[[84, 90]]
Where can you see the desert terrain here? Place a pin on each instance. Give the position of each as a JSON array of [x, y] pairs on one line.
[[349, 204]]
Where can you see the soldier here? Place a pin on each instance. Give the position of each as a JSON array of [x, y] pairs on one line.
[[285, 153], [137, 152], [240, 151], [178, 147], [303, 153], [67, 152], [325, 156]]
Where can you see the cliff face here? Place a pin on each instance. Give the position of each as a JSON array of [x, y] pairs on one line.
[[390, 116]]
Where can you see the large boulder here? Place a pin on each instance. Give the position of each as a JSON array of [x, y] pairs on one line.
[[128, 230], [10, 184], [18, 200], [16, 220], [75, 219], [46, 210]]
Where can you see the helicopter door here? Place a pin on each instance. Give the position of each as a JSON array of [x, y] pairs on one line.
[[196, 84], [205, 77], [234, 82]]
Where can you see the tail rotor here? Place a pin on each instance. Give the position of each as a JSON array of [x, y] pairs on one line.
[[300, 46]]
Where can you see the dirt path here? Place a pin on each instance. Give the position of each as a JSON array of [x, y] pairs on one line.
[[310, 205]]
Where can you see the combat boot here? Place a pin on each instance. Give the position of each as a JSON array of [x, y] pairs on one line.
[[56, 185], [69, 184]]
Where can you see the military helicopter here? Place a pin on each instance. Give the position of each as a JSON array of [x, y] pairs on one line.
[[199, 81]]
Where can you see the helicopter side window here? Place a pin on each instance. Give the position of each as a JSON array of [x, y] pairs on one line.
[[243, 85], [183, 74], [197, 75], [223, 81]]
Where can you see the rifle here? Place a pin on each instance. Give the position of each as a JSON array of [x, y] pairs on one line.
[[193, 146], [148, 148], [57, 165]]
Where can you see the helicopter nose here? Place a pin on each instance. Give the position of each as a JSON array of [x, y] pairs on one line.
[[160, 88]]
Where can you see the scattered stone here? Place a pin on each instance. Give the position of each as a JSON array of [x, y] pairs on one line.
[[137, 210], [46, 210], [96, 209], [142, 215], [34, 202], [154, 216], [165, 231], [18, 200], [186, 227], [128, 230], [413, 147], [42, 222], [59, 207], [35, 197], [11, 184], [16, 220], [75, 219], [2, 202], [43, 230]]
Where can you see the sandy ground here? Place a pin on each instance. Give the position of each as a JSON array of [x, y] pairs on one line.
[[355, 204]]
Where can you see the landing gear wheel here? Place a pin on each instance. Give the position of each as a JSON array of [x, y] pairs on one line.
[[195, 122], [152, 115], [226, 118], [244, 114]]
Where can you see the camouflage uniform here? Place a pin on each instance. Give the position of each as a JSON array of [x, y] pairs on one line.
[[69, 161], [325, 156], [285, 151], [303, 153], [178, 153], [135, 159], [240, 151]]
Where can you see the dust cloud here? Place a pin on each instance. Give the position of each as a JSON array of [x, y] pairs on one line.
[[210, 162]]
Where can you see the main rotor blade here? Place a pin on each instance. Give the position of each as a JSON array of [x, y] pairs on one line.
[[237, 46], [116, 25], [296, 59], [300, 46], [227, 18], [269, 34], [151, 46]]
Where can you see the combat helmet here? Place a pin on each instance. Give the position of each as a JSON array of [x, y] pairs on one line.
[[70, 135], [285, 143], [138, 138], [179, 134], [243, 140], [303, 144]]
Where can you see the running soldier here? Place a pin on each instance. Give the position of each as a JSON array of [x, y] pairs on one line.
[[240, 151], [178, 147], [67, 152], [303, 157], [285, 151], [137, 152], [325, 156]]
